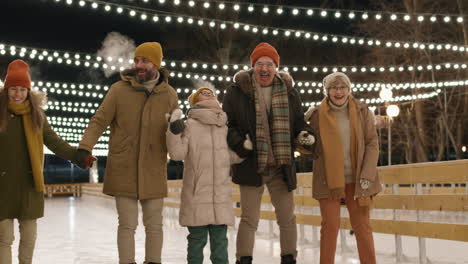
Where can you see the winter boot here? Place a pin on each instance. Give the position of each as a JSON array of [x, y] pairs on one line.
[[288, 259], [244, 260]]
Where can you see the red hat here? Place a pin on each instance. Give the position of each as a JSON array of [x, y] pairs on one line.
[[264, 49], [18, 75]]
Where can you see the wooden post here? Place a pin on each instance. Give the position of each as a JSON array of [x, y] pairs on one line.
[[302, 236], [421, 240], [398, 243]]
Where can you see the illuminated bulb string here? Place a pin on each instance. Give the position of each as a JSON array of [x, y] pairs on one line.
[[309, 87], [118, 64], [90, 108], [153, 16], [378, 100], [310, 12], [303, 86], [76, 135]]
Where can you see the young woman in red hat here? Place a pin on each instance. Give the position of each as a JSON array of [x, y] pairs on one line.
[[24, 131]]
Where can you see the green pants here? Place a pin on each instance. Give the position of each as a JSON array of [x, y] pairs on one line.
[[218, 243]]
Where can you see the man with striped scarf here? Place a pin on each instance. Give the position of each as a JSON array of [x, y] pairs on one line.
[[265, 121]]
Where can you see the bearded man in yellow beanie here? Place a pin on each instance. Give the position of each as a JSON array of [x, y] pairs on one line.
[[265, 121], [135, 109]]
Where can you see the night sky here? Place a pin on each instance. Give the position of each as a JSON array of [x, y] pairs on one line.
[[51, 25]]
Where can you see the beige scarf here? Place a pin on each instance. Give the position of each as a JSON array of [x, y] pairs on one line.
[[34, 141], [210, 104], [332, 147], [208, 112]]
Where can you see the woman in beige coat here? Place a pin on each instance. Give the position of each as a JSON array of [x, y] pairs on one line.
[[206, 202], [345, 165]]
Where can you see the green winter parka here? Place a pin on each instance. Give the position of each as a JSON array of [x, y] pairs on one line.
[[18, 196]]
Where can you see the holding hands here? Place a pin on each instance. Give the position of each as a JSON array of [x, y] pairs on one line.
[[84, 159]]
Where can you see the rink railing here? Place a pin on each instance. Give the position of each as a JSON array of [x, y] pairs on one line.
[[432, 186], [74, 189]]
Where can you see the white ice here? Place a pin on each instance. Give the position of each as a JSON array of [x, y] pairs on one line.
[[83, 231]]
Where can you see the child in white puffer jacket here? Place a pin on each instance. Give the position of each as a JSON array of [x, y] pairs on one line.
[[206, 202]]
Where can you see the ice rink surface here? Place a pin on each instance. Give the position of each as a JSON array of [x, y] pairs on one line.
[[83, 231]]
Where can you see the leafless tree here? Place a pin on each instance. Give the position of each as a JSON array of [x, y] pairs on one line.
[[426, 129]]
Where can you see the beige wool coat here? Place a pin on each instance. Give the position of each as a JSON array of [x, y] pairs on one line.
[[367, 156], [136, 163], [206, 192]]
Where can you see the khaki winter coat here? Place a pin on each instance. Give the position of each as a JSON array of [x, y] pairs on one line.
[[136, 163], [206, 192], [367, 156]]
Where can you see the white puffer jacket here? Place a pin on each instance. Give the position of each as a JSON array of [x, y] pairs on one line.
[[206, 192]]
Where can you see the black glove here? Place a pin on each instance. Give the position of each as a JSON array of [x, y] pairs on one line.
[[80, 158], [177, 126]]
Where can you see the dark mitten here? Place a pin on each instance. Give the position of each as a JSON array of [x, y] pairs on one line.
[[83, 159], [177, 126]]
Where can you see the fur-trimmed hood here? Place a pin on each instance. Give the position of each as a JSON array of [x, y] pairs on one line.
[[243, 79], [40, 98]]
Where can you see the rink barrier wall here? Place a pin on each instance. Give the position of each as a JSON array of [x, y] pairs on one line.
[[429, 179], [74, 189]]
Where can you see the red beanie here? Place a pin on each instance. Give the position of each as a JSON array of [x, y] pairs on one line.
[[18, 75], [264, 49]]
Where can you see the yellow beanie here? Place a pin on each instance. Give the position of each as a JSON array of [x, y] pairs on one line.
[[193, 98], [152, 51]]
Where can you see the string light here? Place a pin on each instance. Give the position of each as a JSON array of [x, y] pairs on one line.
[[75, 107], [93, 61], [316, 87], [310, 87], [80, 90], [256, 29], [309, 11], [396, 99]]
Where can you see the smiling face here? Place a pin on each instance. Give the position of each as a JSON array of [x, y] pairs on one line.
[[338, 92], [264, 71], [145, 69], [206, 94], [17, 94]]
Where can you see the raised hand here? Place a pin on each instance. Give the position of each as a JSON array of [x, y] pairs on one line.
[[176, 125]]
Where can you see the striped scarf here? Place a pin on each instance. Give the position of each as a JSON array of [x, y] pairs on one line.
[[273, 147]]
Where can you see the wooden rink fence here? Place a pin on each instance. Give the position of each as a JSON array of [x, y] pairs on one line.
[[74, 189], [432, 186]]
